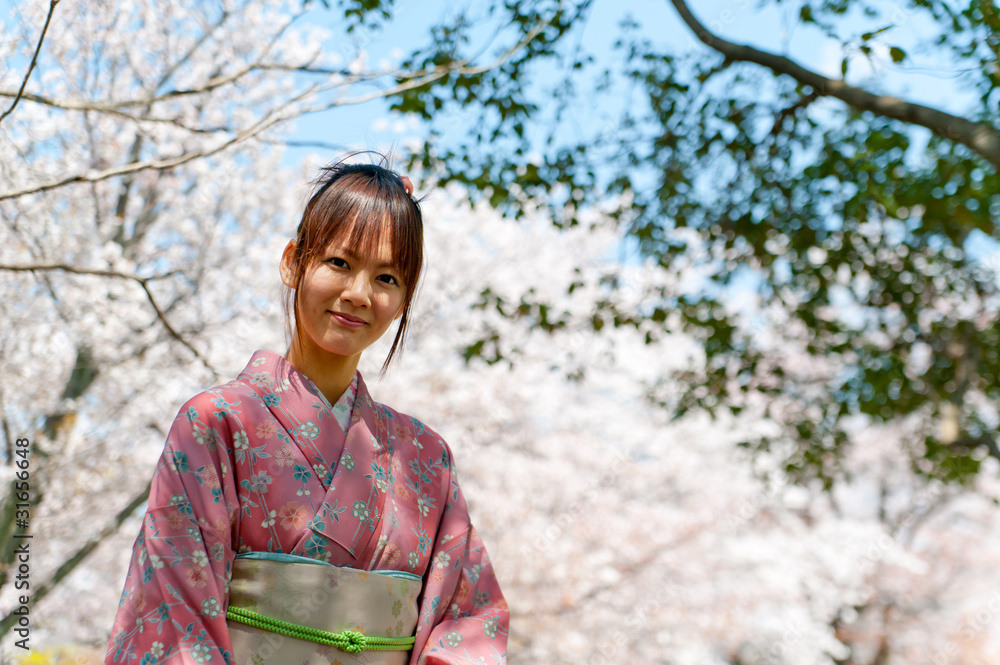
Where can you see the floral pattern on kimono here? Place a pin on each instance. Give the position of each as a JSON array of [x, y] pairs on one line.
[[266, 463]]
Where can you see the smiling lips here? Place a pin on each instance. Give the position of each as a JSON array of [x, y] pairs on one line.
[[348, 320]]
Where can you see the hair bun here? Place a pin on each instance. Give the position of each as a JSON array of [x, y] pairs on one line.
[[407, 185]]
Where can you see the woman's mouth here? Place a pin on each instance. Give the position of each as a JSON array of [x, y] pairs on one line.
[[348, 320]]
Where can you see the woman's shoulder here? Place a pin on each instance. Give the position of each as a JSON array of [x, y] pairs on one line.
[[405, 428], [219, 401]]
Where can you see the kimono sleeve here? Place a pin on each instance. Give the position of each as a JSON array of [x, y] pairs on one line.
[[464, 617], [173, 606]]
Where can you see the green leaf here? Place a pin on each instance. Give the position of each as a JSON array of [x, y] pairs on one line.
[[868, 35], [898, 54]]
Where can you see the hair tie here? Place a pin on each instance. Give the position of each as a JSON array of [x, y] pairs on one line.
[[407, 185]]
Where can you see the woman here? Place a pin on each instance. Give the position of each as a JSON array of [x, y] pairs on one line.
[[292, 519]]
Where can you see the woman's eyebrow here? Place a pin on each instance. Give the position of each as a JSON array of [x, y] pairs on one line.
[[353, 255]]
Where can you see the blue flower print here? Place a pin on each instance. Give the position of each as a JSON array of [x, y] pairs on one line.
[[481, 598], [164, 611], [201, 653], [183, 505], [490, 628], [225, 409], [272, 400], [179, 461], [240, 440], [423, 540], [308, 430], [210, 607], [322, 473], [259, 482], [315, 546], [260, 379], [381, 477], [241, 444], [424, 504], [347, 460], [191, 414], [361, 511], [205, 436]]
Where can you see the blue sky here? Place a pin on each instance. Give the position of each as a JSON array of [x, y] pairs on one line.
[[738, 20], [775, 29]]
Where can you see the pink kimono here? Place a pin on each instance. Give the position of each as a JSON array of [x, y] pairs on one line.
[[265, 463]]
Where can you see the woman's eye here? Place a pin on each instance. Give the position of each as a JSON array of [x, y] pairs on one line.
[[337, 261], [389, 279]]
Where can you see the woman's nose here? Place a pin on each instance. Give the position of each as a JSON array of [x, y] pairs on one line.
[[358, 290]]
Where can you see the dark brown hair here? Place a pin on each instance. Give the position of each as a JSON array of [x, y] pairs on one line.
[[361, 202]]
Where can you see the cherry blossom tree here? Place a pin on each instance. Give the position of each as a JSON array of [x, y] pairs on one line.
[[143, 195], [145, 202]]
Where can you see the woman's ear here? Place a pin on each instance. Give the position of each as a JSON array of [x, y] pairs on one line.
[[288, 265]]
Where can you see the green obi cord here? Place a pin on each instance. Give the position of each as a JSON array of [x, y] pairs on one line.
[[290, 609]]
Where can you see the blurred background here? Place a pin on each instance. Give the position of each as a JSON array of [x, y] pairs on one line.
[[710, 312]]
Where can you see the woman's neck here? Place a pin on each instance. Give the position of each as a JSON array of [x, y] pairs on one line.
[[331, 373]]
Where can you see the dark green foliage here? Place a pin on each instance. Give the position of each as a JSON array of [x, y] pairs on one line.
[[851, 228]]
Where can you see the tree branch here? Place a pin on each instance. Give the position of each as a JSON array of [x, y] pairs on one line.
[[979, 137], [34, 59], [133, 167], [408, 81], [70, 564], [142, 281]]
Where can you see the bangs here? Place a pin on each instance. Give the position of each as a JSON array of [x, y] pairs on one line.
[[362, 212]]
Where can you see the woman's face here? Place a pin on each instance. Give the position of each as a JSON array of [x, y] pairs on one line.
[[346, 300]]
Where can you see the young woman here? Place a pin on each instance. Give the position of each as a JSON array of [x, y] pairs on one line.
[[292, 519]]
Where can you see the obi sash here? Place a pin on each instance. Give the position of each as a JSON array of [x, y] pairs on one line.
[[291, 609]]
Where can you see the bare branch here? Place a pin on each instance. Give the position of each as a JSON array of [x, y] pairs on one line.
[[273, 117], [194, 48], [34, 59], [416, 80], [324, 145], [81, 554], [422, 76], [83, 271], [142, 281], [980, 137], [133, 167]]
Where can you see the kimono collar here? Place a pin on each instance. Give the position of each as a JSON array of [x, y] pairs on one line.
[[343, 444], [270, 373]]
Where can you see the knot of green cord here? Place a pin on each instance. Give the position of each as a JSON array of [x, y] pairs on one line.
[[350, 641], [354, 641]]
